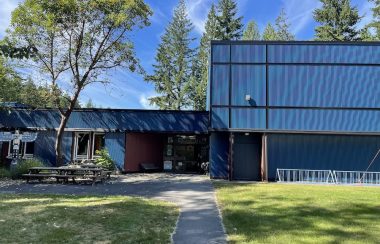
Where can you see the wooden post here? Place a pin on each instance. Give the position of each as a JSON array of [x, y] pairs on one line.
[[264, 158], [230, 156]]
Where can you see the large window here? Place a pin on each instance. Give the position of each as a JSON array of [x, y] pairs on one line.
[[86, 144], [26, 149]]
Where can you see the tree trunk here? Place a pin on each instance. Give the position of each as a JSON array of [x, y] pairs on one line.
[[58, 142]]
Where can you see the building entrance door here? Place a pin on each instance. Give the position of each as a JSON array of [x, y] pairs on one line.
[[246, 157]]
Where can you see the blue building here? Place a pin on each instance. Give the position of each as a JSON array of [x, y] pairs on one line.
[[132, 137], [296, 105]]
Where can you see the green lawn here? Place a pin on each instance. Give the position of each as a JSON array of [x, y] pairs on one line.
[[280, 213], [87, 219]]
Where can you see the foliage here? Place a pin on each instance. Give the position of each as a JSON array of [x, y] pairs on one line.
[[104, 160], [229, 26], [200, 64], [41, 218], [79, 41], [280, 213], [4, 173], [173, 63], [89, 104], [24, 165], [252, 31], [269, 33], [7, 50], [282, 28], [375, 24], [337, 20]]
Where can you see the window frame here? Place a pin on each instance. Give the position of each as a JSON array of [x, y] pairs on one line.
[[22, 150], [93, 155], [76, 137]]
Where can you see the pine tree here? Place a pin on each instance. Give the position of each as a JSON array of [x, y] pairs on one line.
[[200, 64], [252, 31], [173, 63], [282, 28], [338, 19], [229, 26], [375, 22], [269, 33], [89, 104]]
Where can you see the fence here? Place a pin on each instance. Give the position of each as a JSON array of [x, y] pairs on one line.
[[327, 176], [305, 176]]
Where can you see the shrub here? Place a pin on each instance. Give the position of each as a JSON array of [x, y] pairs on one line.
[[4, 173], [104, 160], [23, 167]]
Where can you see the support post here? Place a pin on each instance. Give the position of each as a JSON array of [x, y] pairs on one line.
[[264, 158]]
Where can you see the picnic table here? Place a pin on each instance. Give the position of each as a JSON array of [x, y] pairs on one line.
[[65, 173]]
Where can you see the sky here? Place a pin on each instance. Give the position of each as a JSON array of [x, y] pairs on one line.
[[129, 90]]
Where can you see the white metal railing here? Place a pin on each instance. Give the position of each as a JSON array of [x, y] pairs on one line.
[[305, 176], [357, 177]]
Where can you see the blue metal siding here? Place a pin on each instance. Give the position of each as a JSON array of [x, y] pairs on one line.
[[247, 118], [220, 118], [248, 80], [115, 143], [311, 53], [219, 148], [329, 152], [221, 53], [324, 86], [324, 120], [44, 147], [248, 54], [220, 84]]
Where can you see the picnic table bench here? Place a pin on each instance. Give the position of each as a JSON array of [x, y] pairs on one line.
[[65, 173]]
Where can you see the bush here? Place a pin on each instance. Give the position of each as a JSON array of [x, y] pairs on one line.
[[104, 160], [23, 167], [4, 173]]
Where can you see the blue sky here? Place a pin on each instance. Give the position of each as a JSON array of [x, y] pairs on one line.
[[129, 90]]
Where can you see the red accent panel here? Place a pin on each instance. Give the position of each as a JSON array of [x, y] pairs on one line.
[[143, 148]]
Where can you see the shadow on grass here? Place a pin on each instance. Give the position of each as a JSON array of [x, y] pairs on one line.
[[84, 219], [270, 213]]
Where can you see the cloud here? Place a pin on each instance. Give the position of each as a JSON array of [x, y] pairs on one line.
[[300, 13], [7, 6], [144, 100], [197, 11]]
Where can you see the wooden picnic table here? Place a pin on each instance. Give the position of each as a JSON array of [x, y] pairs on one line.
[[65, 173]]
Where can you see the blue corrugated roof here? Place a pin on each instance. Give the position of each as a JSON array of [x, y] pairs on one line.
[[109, 120]]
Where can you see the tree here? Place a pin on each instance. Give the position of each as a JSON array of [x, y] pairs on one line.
[[269, 33], [173, 63], [338, 19], [282, 28], [375, 24], [78, 39], [229, 26], [89, 104], [200, 64], [252, 31]]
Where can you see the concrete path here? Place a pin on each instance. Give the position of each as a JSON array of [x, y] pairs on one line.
[[199, 221]]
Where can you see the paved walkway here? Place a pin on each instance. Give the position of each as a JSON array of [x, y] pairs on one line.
[[199, 221]]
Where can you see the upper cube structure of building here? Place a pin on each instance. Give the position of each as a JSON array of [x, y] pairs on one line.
[[300, 105]]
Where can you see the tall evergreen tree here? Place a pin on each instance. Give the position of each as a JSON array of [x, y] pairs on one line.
[[375, 22], [229, 25], [338, 19], [200, 65], [269, 33], [173, 63], [252, 31], [282, 27]]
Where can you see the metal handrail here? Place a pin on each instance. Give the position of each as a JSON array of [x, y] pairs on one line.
[[305, 176]]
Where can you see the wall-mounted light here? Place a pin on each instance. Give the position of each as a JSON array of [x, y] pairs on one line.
[[247, 97], [246, 134]]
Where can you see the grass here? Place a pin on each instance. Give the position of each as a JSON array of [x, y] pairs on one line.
[[280, 213], [84, 219]]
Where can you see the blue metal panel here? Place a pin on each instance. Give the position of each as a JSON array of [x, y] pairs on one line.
[[247, 118], [219, 148], [311, 53], [220, 53], [324, 120], [115, 143], [220, 84], [44, 147], [248, 80], [324, 86], [324, 152], [248, 54], [220, 118], [109, 119]]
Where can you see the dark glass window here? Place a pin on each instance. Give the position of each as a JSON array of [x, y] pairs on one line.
[[99, 142], [29, 148], [82, 144]]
